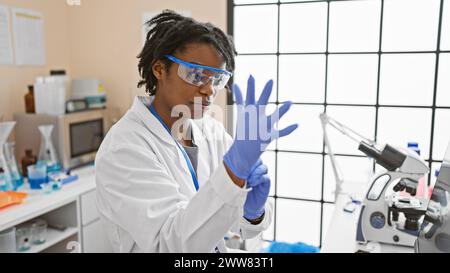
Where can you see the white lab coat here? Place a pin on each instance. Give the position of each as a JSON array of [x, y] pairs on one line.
[[146, 196]]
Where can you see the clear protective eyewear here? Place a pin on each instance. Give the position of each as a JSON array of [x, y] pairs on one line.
[[194, 74]]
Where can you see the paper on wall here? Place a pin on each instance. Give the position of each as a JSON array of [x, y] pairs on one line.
[[28, 27], [6, 53]]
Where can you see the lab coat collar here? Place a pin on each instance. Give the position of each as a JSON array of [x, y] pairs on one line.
[[141, 106], [141, 109]]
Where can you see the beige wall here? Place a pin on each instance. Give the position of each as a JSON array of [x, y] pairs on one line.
[[106, 38], [99, 39], [14, 79]]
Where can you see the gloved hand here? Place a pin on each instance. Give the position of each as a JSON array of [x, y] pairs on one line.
[[254, 129], [259, 181]]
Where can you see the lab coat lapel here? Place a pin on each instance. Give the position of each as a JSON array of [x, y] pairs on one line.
[[206, 152], [140, 107]]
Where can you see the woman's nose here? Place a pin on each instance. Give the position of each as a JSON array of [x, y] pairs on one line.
[[208, 89]]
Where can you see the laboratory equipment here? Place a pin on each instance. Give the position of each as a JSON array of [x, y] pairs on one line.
[[50, 94], [90, 90], [46, 188], [82, 88], [61, 179], [96, 102], [37, 175], [386, 216], [51, 186], [422, 187], [6, 182], [16, 176], [47, 151], [23, 238], [8, 240], [434, 236], [76, 136], [78, 105], [38, 231]]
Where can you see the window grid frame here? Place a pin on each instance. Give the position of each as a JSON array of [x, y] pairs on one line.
[[230, 29]]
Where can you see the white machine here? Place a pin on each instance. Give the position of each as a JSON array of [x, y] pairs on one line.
[[386, 215], [391, 213], [434, 235]]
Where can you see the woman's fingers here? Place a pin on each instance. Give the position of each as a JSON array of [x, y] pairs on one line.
[[237, 95], [250, 91], [287, 131], [267, 91]]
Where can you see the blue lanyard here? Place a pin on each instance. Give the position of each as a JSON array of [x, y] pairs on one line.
[[186, 157]]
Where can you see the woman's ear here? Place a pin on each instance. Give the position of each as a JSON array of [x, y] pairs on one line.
[[158, 69]]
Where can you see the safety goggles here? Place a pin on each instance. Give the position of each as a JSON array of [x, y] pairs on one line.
[[194, 74]]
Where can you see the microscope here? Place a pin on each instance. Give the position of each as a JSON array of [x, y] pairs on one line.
[[434, 236], [390, 213], [387, 216]]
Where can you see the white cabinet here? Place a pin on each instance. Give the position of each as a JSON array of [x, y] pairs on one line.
[[89, 212], [74, 222], [95, 239]]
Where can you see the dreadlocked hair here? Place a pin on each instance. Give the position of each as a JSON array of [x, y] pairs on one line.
[[171, 32]]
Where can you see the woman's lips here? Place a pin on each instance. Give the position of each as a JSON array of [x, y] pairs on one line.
[[204, 104]]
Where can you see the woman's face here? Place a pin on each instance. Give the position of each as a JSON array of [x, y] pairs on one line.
[[172, 90]]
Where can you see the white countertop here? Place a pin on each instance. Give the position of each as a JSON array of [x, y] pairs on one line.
[[38, 203]]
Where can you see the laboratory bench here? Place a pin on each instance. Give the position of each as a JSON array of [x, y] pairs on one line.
[[71, 213]]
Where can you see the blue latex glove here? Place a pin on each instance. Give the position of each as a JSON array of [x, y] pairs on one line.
[[259, 181], [254, 129]]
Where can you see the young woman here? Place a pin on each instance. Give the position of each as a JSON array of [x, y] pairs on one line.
[[158, 191]]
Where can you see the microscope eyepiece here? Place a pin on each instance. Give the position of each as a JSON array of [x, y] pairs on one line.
[[390, 158]]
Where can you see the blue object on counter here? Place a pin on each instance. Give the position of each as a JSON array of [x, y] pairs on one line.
[[62, 178], [17, 182], [35, 183], [53, 168], [69, 179], [37, 175], [281, 247]]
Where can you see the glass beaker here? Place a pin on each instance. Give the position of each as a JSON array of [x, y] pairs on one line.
[[23, 238], [8, 240], [5, 172], [16, 176], [47, 151], [37, 175], [39, 231]]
